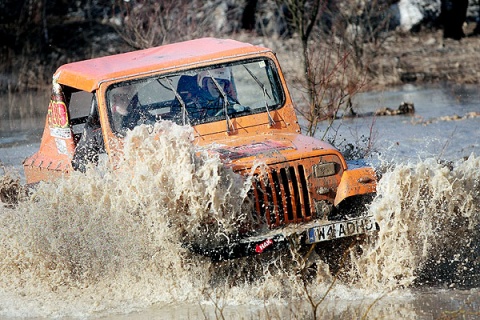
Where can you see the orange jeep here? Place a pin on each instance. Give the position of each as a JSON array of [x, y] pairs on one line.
[[235, 97]]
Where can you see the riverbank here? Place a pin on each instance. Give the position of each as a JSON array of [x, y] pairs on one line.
[[421, 58], [427, 58]]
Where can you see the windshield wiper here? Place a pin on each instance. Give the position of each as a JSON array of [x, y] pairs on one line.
[[271, 122], [179, 98], [225, 101]]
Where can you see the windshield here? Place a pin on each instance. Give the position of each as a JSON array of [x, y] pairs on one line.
[[196, 96]]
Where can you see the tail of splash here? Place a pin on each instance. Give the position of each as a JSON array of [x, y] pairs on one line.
[[428, 212]]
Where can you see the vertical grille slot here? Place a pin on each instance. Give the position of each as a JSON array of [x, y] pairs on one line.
[[259, 195], [265, 201], [276, 218], [296, 202], [287, 198], [304, 191], [270, 217], [278, 194], [282, 196]]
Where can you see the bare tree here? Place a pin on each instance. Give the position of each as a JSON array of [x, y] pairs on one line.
[[302, 16], [452, 18], [334, 81], [147, 23], [330, 74], [364, 27]]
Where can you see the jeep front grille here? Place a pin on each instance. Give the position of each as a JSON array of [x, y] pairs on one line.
[[281, 196]]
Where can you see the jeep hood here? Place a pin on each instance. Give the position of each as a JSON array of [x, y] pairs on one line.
[[242, 153]]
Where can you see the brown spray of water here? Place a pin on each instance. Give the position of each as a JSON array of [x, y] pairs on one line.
[[429, 217], [116, 234], [111, 240]]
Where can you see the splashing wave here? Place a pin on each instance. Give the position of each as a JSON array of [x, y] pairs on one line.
[[110, 240]]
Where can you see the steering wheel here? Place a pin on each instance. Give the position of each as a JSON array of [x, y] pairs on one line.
[[137, 117]]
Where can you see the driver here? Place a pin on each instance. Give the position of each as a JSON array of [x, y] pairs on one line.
[[120, 101], [212, 94], [91, 143]]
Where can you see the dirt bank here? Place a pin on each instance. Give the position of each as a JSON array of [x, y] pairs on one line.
[[417, 58], [425, 58]]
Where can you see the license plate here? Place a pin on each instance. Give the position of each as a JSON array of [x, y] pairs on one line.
[[341, 229]]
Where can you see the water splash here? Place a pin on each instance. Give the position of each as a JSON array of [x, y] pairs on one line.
[[115, 235], [110, 241], [11, 190], [428, 213]]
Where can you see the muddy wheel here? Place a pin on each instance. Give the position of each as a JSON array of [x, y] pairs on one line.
[[352, 207], [337, 253]]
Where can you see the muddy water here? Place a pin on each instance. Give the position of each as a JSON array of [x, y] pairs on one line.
[[444, 125], [107, 246]]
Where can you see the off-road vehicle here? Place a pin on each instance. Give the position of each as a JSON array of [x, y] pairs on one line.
[[235, 97]]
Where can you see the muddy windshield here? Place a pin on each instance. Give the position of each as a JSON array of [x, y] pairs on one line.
[[196, 96]]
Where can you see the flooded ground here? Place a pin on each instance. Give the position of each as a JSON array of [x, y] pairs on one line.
[[86, 250], [444, 125]]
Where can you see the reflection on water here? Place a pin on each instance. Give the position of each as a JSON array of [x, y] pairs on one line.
[[22, 117], [22, 112], [430, 132], [105, 245]]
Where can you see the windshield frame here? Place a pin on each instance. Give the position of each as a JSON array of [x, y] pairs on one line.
[[271, 75]]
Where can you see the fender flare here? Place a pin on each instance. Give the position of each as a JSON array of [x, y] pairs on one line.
[[358, 181]]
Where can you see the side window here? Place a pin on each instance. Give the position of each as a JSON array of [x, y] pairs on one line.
[[79, 109], [91, 143], [137, 102]]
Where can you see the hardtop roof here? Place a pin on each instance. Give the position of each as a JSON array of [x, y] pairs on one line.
[[88, 74]]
